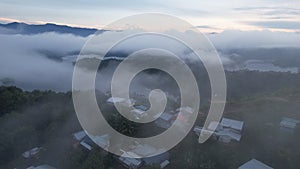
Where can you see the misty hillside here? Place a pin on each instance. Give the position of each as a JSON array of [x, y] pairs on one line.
[[47, 119]]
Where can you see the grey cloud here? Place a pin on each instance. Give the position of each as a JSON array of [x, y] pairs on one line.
[[276, 24], [231, 39], [204, 26], [272, 12]]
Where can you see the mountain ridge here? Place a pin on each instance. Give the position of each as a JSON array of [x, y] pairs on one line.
[[30, 29]]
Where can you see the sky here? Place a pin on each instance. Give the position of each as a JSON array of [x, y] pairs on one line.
[[212, 16]]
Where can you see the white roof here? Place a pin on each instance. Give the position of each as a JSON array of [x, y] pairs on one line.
[[87, 146], [141, 107], [198, 130], [234, 124], [289, 123], [254, 164], [129, 158], [291, 120], [31, 152], [79, 135], [229, 133], [45, 166], [164, 163], [31, 167], [115, 99]]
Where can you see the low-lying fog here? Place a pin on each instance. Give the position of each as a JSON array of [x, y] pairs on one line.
[[45, 61]]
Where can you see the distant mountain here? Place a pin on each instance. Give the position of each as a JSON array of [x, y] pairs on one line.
[[28, 29]]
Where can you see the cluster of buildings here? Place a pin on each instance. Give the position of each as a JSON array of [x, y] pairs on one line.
[[226, 131], [140, 110], [229, 130], [131, 158]]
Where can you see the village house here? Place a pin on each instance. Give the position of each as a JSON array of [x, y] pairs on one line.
[[139, 111], [254, 164], [122, 101], [133, 159], [225, 131], [130, 160], [45, 166], [81, 138], [289, 125], [32, 153]]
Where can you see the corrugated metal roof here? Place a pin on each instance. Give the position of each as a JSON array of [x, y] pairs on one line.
[[32, 152], [164, 163], [229, 133], [234, 124], [115, 99], [254, 164], [141, 107], [45, 166], [289, 122], [79, 135], [129, 158]]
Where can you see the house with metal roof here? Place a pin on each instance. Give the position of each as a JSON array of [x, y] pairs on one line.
[[87, 141], [289, 125], [232, 124], [254, 164], [139, 111], [125, 102], [129, 160], [32, 153], [133, 158], [79, 135], [225, 131], [44, 166], [115, 100]]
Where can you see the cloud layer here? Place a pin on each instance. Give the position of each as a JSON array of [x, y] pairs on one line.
[[21, 61], [45, 61]]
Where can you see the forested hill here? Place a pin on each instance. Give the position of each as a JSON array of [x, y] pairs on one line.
[[28, 29]]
